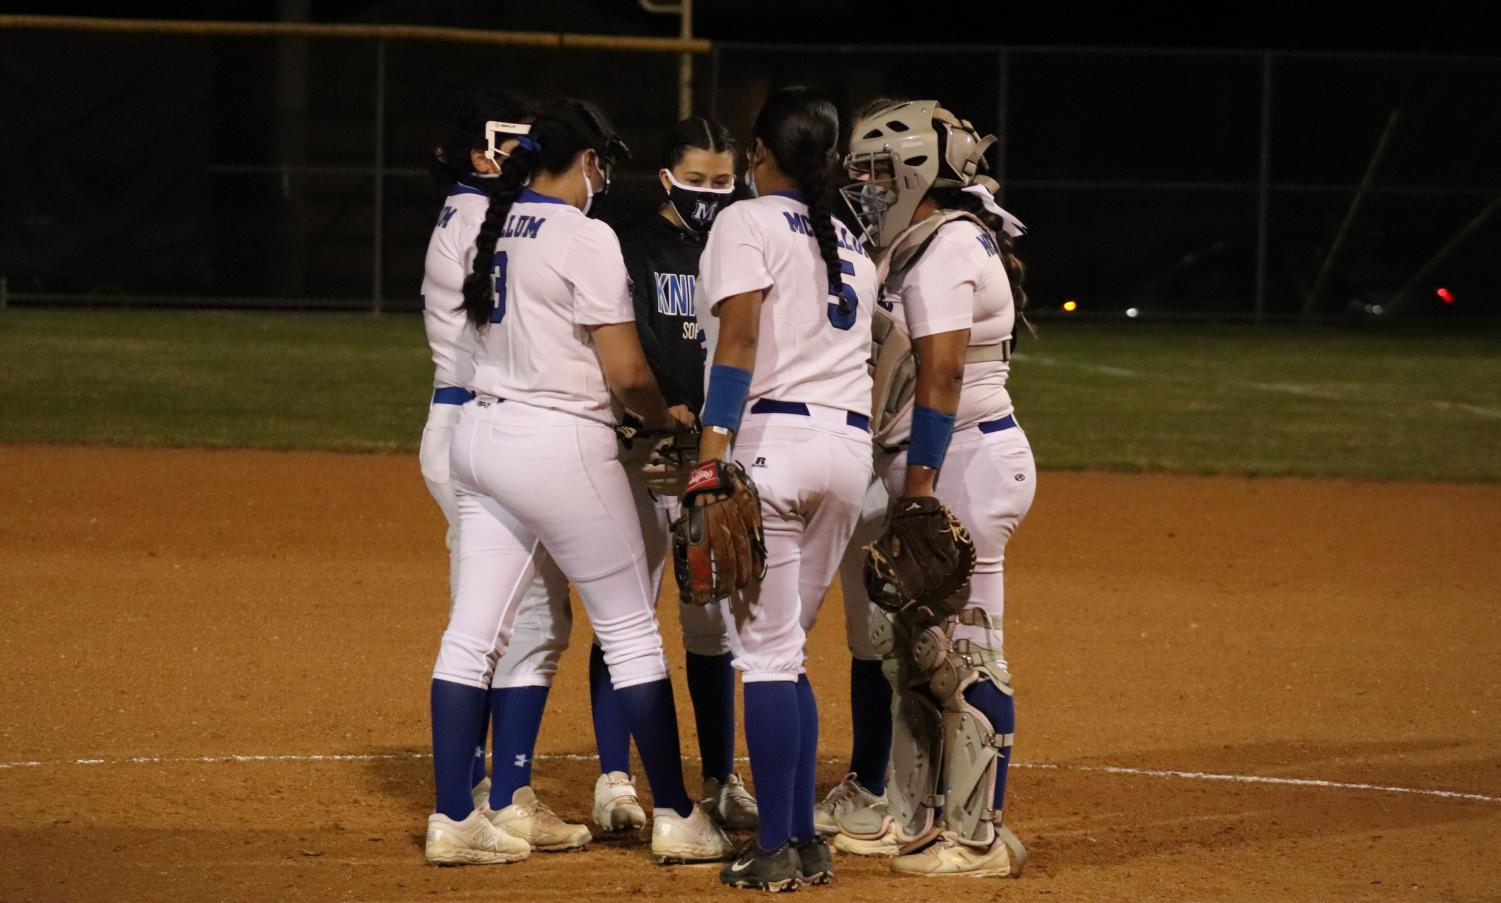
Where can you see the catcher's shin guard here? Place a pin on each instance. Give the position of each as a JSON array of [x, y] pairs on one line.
[[972, 746], [913, 798]]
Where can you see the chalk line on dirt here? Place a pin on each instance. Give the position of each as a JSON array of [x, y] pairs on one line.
[[580, 757]]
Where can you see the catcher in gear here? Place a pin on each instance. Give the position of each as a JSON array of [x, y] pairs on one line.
[[951, 293]]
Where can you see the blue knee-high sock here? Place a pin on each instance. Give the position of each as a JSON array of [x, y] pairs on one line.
[[807, 762], [612, 734], [458, 725], [653, 717], [711, 685], [1001, 710], [870, 716], [477, 774], [517, 719], [774, 735]]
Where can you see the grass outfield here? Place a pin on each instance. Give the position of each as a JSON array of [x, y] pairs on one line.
[[1122, 396]]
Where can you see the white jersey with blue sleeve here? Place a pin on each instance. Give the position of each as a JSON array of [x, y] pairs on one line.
[[809, 350], [556, 272], [450, 255]]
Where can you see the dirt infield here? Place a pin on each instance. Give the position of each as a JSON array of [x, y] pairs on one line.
[[166, 614]]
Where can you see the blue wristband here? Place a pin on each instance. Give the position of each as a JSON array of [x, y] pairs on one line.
[[728, 389], [930, 437]]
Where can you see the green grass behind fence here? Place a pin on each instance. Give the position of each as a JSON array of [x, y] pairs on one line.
[[1419, 404]]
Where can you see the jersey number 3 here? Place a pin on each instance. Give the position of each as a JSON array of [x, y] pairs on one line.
[[845, 318], [498, 275]]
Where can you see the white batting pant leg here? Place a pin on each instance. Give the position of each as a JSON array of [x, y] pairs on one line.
[[989, 481], [812, 473], [432, 456], [497, 562], [555, 475], [858, 609], [540, 632]]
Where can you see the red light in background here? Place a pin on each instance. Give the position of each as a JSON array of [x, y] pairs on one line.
[[1445, 296]]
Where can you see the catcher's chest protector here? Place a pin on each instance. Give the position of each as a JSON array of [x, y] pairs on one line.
[[892, 364]]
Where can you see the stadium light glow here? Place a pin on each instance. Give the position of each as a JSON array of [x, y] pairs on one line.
[[1132, 312], [1070, 306]]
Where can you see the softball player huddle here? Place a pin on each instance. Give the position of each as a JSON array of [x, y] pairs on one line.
[[566, 359]]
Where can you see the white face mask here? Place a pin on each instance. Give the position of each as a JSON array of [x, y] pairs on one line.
[[750, 181]]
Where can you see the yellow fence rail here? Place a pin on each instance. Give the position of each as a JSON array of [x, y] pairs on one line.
[[555, 40]]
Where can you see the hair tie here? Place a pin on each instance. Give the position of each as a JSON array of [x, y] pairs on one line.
[[527, 142]]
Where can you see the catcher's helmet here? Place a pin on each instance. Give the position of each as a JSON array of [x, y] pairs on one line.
[[899, 152]]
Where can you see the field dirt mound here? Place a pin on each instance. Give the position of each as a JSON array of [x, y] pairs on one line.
[[217, 668]]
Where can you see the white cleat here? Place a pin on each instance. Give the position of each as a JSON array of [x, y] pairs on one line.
[[675, 839], [886, 843], [481, 794], [947, 857], [473, 841], [847, 797], [731, 805], [616, 808], [531, 820]]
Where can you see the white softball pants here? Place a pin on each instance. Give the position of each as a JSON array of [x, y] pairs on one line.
[[858, 609], [812, 472], [989, 481], [528, 477], [540, 634]]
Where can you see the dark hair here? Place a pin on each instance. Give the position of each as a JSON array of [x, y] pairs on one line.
[[450, 161], [800, 127], [561, 131], [695, 133], [956, 199]]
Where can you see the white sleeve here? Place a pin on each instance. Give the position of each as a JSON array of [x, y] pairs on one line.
[[734, 258], [442, 298], [938, 294], [601, 286]]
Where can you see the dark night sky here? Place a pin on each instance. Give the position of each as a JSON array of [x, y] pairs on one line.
[[1445, 26]]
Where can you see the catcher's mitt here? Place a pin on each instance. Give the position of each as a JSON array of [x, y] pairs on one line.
[[720, 546], [923, 558]]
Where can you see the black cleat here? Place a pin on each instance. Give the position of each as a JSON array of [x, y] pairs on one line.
[[755, 868], [816, 862]]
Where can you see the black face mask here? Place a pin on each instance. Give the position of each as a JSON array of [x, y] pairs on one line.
[[696, 206]]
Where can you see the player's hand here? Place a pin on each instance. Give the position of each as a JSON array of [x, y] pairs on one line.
[[684, 420]]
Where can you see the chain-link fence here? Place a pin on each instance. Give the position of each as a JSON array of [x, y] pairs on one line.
[[283, 171]]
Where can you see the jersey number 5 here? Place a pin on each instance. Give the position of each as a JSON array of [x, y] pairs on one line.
[[844, 318], [498, 275]]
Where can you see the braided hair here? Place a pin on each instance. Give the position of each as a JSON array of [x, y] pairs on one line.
[[450, 162], [800, 127], [561, 131]]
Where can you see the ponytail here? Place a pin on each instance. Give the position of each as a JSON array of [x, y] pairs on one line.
[[800, 127], [479, 285], [561, 131], [815, 181]]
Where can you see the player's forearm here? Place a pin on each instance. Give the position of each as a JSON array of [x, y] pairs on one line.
[[730, 372], [627, 373], [940, 379]]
